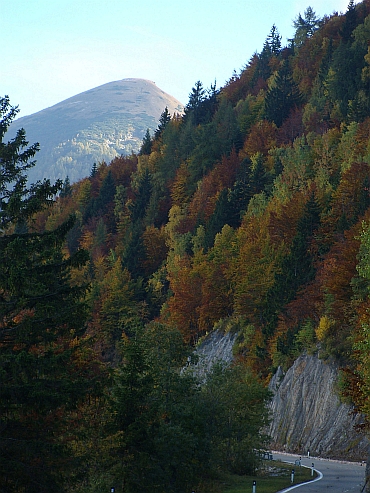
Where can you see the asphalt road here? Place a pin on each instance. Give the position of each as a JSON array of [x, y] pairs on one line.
[[337, 476]]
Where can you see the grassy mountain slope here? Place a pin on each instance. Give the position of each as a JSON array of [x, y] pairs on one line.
[[93, 126]]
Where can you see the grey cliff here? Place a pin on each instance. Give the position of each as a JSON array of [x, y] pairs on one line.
[[307, 414]]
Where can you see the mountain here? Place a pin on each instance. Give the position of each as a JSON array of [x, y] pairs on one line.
[[94, 126]]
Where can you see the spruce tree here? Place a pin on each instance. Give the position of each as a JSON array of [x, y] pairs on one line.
[[282, 96], [194, 109], [94, 170], [164, 119], [41, 320], [305, 26], [274, 41], [146, 146]]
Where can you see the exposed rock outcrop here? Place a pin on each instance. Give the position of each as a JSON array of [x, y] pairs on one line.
[[307, 414], [217, 347]]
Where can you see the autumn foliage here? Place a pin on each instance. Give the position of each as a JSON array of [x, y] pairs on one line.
[[242, 213]]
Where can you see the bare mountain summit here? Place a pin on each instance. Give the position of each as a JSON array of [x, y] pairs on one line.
[[93, 126]]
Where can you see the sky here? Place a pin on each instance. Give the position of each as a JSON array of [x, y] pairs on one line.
[[55, 49]]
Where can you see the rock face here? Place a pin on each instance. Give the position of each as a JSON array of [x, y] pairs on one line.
[[216, 348], [307, 414]]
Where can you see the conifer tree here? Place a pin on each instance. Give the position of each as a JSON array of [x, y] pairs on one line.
[[164, 119], [274, 41], [349, 22], [305, 26], [66, 191], [41, 320], [282, 96], [194, 107], [297, 267], [146, 146], [94, 170]]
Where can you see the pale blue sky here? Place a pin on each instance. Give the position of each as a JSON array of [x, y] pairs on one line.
[[54, 49]]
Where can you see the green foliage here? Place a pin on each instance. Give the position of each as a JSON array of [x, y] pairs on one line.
[[305, 339], [239, 415], [44, 372], [282, 97], [201, 105], [174, 430], [305, 26], [146, 145], [164, 119], [273, 41], [156, 409]]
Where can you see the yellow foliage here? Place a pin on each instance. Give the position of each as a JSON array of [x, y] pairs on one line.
[[323, 328]]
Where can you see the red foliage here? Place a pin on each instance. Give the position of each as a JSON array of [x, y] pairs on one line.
[[291, 128]]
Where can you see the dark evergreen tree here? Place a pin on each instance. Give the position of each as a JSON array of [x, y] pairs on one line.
[[157, 411], [240, 194], [146, 146], [201, 105], [196, 97], [271, 47], [305, 26], [106, 194], [94, 170], [17, 202], [134, 252], [263, 69], [350, 22], [66, 190], [100, 205], [258, 177], [164, 120], [344, 77], [282, 96], [42, 317], [143, 191], [297, 267], [220, 217], [274, 41]]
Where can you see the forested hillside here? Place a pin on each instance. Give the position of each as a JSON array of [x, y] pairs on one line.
[[251, 212]]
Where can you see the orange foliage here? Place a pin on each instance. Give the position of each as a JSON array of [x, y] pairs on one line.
[[186, 285], [291, 128], [122, 168], [238, 87], [307, 305], [205, 198], [254, 267], [349, 197], [179, 193], [156, 250], [362, 137], [336, 272], [261, 138], [284, 218], [216, 298]]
